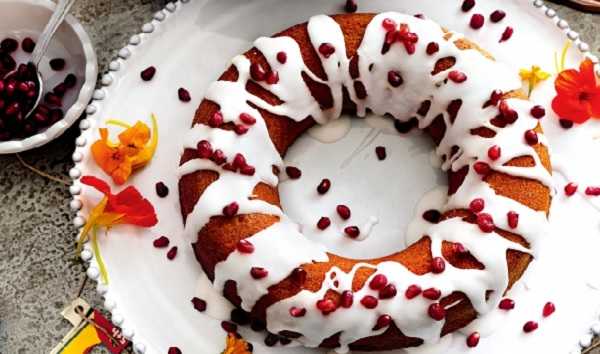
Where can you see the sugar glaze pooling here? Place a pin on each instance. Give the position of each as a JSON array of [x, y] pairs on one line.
[[402, 103]]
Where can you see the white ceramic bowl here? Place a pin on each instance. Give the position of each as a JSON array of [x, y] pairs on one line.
[[27, 18]]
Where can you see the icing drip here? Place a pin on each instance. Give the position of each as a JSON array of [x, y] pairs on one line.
[[457, 148]]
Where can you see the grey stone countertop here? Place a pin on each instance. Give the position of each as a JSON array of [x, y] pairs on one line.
[[39, 275]]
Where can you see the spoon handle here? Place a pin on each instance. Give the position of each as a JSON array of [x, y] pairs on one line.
[[60, 12]]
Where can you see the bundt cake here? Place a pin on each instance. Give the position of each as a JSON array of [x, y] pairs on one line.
[[471, 249]]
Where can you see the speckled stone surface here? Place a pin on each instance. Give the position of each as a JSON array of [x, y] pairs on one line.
[[39, 274]]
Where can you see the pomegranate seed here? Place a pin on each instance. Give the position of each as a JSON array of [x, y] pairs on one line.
[[571, 188], [161, 242], [229, 327], [459, 248], [281, 57], [326, 49], [391, 37], [231, 209], [324, 186], [481, 168], [388, 292], [148, 73], [239, 317], [457, 76], [258, 272], [293, 172], [12, 109], [174, 350], [506, 304], [350, 6], [271, 340], [549, 309], [477, 205], [432, 294], [257, 72], [494, 152], [352, 231], [380, 152], [239, 161], [369, 301], [204, 149], [229, 167], [297, 311], [244, 246], [508, 32], [433, 216], [247, 119], [172, 253], [28, 45], [199, 304], [326, 306], [184, 95], [378, 282], [394, 78], [388, 24], [473, 339], [509, 115], [57, 64], [53, 99], [299, 275], [438, 265], [495, 97], [272, 78], [9, 45], [346, 299], [485, 222], [248, 170], [412, 291], [58, 90], [467, 5], [436, 311], [477, 21], [323, 223], [513, 219], [497, 16], [343, 211], [531, 137], [218, 157], [538, 111], [216, 120], [592, 191], [530, 326], [565, 123], [382, 322], [432, 48], [71, 80]]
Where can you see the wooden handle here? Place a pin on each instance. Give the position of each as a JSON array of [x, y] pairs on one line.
[[583, 5]]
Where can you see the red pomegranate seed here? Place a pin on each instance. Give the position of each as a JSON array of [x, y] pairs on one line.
[[244, 246], [184, 95], [28, 45], [531, 137], [477, 21], [530, 326], [58, 90], [172, 253], [436, 311], [592, 191], [412, 291], [369, 301], [508, 32], [239, 161], [52, 99], [240, 129], [248, 170], [324, 186], [485, 222], [57, 64], [352, 231], [281, 57], [257, 72], [326, 306], [350, 6], [70, 80], [381, 153], [565, 123], [343, 211], [258, 272], [477, 205], [229, 167], [229, 327], [394, 78], [473, 339], [272, 78], [231, 209], [438, 265], [494, 152], [323, 223], [378, 282], [538, 111], [481, 168], [326, 49], [204, 149], [199, 304], [497, 16], [495, 97], [174, 350], [297, 311], [549, 309], [388, 24], [432, 294], [293, 172], [433, 216], [247, 119], [148, 73], [216, 120], [388, 292], [346, 299], [161, 242], [571, 188], [218, 157], [391, 37], [432, 48], [513, 219], [506, 304], [467, 5], [457, 76], [382, 322]]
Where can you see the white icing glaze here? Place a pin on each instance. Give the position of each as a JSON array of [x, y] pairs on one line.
[[483, 77]]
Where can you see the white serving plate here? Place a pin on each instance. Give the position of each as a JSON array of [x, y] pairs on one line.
[[149, 297], [27, 18]]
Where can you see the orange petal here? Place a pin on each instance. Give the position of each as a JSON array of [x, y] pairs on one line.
[[122, 172], [587, 72], [569, 108], [568, 82], [136, 136]]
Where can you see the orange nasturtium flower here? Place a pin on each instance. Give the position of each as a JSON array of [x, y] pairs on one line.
[[126, 207], [235, 345], [577, 93], [134, 150]]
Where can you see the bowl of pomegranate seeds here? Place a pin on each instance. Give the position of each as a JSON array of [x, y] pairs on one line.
[[69, 72]]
